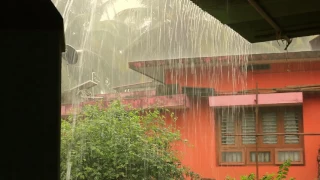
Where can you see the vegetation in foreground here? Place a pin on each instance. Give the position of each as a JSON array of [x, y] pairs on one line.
[[115, 143], [280, 175]]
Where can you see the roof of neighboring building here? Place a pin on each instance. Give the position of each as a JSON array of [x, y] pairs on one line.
[[143, 85], [315, 43], [155, 69]]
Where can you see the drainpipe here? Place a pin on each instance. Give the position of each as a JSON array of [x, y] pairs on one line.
[[257, 126], [271, 22]]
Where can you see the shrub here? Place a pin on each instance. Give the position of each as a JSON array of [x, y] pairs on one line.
[[115, 143]]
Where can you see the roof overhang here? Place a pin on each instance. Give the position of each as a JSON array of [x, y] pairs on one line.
[[266, 20], [156, 69]]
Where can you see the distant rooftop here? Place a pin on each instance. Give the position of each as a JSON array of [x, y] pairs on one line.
[[143, 85], [155, 69], [315, 43]]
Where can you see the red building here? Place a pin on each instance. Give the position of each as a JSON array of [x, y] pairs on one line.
[[216, 98]]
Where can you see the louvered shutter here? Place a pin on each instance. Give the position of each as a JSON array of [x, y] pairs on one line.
[[227, 127], [269, 125], [248, 127], [291, 125]]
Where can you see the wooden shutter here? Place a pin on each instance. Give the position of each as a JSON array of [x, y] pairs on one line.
[[248, 127], [227, 127], [291, 125], [269, 125]]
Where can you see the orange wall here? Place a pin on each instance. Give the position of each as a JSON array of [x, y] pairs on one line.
[[197, 123]]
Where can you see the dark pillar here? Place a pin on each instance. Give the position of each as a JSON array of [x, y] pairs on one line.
[[32, 40]]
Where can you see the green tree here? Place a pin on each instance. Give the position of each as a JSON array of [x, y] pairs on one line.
[[117, 143]]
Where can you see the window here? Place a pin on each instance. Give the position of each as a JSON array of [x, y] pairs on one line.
[[295, 155], [235, 157], [272, 149]]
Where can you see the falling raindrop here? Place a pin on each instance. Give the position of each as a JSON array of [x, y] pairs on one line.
[[140, 50]]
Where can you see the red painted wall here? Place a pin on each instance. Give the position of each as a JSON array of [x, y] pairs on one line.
[[197, 123]]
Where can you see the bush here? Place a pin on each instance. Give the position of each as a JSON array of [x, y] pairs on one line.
[[119, 144]]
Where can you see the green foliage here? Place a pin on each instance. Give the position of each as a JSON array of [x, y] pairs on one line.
[[119, 144], [280, 175]]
